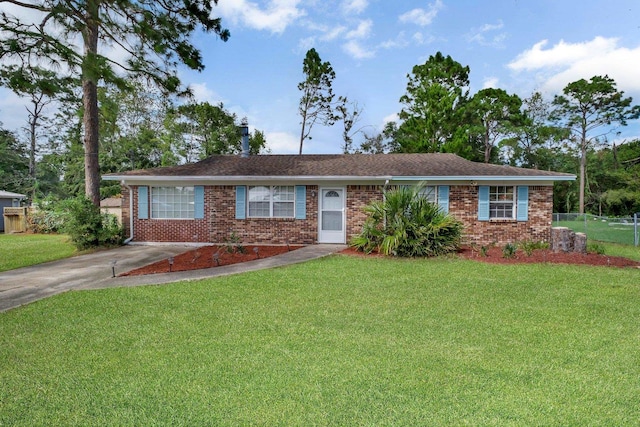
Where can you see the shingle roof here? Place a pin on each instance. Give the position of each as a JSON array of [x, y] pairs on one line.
[[111, 202], [341, 165]]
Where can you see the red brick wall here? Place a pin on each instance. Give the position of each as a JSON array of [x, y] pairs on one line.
[[463, 204], [358, 196], [220, 222], [261, 230], [170, 230]]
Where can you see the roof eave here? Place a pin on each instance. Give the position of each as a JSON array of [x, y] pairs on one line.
[[321, 178], [535, 178]]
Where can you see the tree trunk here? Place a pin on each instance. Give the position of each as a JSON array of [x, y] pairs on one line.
[[487, 147], [33, 124], [562, 239], [304, 122], [580, 243], [583, 165], [90, 103]]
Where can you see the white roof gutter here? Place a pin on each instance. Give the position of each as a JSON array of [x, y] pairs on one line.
[[321, 178]]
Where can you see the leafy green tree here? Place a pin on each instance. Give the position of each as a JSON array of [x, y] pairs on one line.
[[614, 180], [14, 163], [349, 113], [41, 87], [406, 224], [536, 140], [316, 103], [211, 129], [589, 110], [380, 143], [431, 105], [496, 116], [155, 35]]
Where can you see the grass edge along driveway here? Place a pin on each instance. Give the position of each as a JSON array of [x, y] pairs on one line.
[[336, 341]]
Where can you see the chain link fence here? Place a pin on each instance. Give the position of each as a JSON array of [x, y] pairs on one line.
[[602, 228]]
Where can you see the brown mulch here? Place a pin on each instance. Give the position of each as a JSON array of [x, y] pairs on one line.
[[495, 255], [203, 257]]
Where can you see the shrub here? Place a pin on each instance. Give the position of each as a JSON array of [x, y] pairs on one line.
[[484, 251], [528, 246], [47, 217], [509, 250], [234, 245], [406, 224], [88, 227], [595, 248]]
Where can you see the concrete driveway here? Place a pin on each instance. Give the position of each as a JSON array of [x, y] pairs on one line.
[[94, 271]]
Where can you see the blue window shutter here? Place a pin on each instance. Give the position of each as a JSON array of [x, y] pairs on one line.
[[443, 198], [523, 203], [301, 202], [198, 199], [483, 203], [143, 202], [241, 202]]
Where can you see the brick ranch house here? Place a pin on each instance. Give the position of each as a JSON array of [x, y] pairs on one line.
[[307, 199]]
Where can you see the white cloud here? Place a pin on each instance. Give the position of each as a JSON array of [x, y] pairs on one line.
[[201, 93], [564, 63], [490, 82], [399, 42], [421, 39], [333, 33], [362, 31], [305, 44], [282, 143], [562, 54], [357, 51], [422, 17], [275, 17], [354, 6], [485, 35], [390, 118]]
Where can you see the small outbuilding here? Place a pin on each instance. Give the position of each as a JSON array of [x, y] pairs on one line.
[[113, 206], [8, 200]]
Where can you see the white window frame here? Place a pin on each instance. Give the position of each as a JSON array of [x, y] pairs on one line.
[[273, 198], [499, 202], [430, 192], [178, 202]]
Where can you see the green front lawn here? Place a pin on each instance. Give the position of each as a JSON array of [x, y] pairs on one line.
[[22, 250], [337, 341]]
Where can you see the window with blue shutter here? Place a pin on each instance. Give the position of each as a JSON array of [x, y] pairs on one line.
[[143, 202], [241, 202], [301, 201], [198, 202], [443, 198], [483, 203], [523, 203]]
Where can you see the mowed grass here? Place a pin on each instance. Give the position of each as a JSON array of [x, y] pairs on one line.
[[337, 341], [626, 251], [596, 229], [22, 250]]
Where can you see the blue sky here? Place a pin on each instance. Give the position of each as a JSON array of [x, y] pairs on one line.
[[517, 45]]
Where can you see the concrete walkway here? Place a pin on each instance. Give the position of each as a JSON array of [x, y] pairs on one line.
[[94, 271]]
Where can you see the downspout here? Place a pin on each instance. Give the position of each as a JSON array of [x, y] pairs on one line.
[[130, 238], [384, 199]]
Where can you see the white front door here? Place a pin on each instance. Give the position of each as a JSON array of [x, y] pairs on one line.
[[331, 219]]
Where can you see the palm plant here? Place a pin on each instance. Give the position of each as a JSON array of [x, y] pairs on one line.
[[406, 224]]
